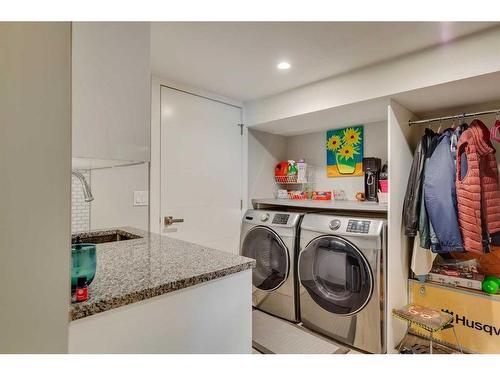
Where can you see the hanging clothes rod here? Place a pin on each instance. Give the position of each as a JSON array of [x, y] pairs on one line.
[[497, 111]]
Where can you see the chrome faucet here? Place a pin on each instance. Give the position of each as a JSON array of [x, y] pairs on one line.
[[86, 188]]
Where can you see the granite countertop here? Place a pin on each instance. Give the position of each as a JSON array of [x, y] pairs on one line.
[[137, 269]]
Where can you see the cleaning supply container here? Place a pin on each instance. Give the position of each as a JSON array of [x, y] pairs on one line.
[[384, 186]]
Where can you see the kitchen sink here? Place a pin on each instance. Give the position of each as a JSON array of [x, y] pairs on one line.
[[99, 237]]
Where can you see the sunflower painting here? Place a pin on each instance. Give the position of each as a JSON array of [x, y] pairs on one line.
[[344, 152]]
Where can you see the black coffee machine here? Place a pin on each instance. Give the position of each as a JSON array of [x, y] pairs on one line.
[[371, 167]]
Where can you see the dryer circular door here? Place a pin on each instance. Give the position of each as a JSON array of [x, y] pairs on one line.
[[336, 275], [271, 256]]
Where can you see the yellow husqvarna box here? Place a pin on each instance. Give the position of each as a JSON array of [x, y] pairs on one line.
[[476, 315]]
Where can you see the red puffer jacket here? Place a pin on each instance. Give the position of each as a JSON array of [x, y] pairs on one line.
[[478, 192]]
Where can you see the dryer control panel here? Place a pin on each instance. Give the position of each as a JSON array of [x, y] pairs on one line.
[[281, 219], [358, 226]]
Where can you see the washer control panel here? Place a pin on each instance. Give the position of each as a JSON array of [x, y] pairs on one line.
[[358, 226], [281, 219]]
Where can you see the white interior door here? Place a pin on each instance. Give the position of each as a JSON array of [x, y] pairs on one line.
[[201, 169]]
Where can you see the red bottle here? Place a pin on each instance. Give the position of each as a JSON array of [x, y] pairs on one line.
[[82, 289]]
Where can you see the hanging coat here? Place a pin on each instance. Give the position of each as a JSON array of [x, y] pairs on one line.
[[424, 227], [413, 196], [478, 190], [440, 198]]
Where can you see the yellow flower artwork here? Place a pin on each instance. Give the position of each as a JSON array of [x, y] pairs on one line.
[[344, 151]]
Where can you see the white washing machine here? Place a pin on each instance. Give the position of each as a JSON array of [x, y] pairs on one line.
[[341, 270], [271, 238]]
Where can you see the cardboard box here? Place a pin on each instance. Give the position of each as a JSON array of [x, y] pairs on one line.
[[476, 315]]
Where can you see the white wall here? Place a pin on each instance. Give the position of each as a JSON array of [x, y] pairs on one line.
[[312, 147], [471, 56], [111, 75], [35, 186], [402, 142], [113, 191], [264, 152]]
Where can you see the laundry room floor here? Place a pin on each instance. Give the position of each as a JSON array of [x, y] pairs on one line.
[[273, 335]]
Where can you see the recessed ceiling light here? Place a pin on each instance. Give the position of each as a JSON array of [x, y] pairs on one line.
[[283, 65]]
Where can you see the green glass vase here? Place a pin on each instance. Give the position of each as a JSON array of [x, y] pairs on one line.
[[83, 263], [345, 166]]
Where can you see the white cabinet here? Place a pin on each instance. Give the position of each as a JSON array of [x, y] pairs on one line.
[[111, 90], [213, 317]]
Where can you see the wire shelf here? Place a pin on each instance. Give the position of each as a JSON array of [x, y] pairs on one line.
[[290, 187], [288, 180]]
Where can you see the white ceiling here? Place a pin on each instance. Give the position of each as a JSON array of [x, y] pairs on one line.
[[238, 59]]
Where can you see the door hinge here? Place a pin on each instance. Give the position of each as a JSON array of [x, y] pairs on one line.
[[241, 204], [241, 128]]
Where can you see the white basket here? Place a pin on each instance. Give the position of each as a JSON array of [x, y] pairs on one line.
[[284, 180]]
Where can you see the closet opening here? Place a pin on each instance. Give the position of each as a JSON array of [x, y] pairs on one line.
[[451, 214]]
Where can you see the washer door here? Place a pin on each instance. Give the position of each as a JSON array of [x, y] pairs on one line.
[[271, 255], [336, 275]]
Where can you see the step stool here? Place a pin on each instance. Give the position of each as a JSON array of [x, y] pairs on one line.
[[429, 319]]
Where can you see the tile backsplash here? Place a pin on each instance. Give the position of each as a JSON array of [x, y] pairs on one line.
[[80, 210]]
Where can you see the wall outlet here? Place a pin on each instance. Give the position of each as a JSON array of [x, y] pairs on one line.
[[141, 198]]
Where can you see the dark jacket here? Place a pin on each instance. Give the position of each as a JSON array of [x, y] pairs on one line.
[[424, 227], [440, 198], [423, 223], [413, 196]]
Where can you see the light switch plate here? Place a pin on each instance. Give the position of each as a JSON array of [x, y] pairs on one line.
[[141, 198]]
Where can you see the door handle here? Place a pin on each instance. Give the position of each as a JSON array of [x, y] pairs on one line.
[[169, 220], [355, 279]]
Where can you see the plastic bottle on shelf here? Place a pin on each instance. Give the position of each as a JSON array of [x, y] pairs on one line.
[[302, 171], [292, 168]]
